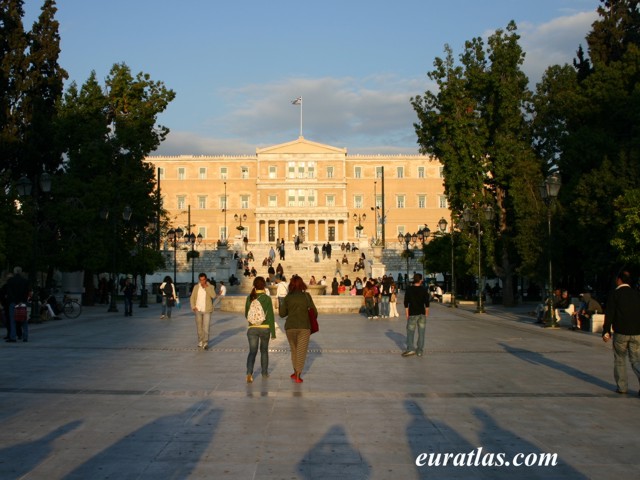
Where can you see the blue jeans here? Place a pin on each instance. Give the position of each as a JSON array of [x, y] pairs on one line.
[[166, 308], [623, 345], [258, 336], [384, 306], [421, 322]]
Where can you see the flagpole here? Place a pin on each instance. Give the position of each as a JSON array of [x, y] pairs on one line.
[[301, 116], [298, 102]]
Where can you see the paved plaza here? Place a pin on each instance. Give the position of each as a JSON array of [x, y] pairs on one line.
[[111, 397]]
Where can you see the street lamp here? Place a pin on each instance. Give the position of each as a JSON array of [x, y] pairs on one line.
[[474, 221], [549, 192], [407, 239], [442, 226], [193, 240], [126, 216], [24, 187], [360, 219], [240, 218], [225, 211], [174, 236]]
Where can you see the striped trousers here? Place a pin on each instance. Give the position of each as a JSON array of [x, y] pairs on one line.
[[298, 343]]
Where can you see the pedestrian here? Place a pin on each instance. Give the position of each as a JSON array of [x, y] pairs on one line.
[[202, 297], [338, 270], [128, 289], [622, 314], [282, 250], [297, 327], [261, 327], [281, 291], [221, 293], [17, 293], [169, 295], [393, 299], [416, 304]]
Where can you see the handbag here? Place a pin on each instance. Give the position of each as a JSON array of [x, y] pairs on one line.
[[313, 317]]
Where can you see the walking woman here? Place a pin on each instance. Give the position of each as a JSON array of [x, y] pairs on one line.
[[295, 308], [261, 327], [168, 290]]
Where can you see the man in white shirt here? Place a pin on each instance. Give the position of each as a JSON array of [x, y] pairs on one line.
[[281, 292], [201, 300]]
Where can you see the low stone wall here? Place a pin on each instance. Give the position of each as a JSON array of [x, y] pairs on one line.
[[324, 303]]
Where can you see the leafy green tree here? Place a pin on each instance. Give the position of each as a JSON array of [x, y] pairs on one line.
[[627, 227], [108, 132], [476, 125], [587, 124]]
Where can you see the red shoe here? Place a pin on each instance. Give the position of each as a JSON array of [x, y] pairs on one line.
[[297, 380], [293, 375]]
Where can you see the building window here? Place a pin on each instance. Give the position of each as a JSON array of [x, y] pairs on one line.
[[181, 174], [399, 201], [202, 202], [378, 201], [291, 169], [422, 201], [329, 172], [273, 171], [441, 172], [311, 170], [357, 172], [273, 201], [202, 173], [400, 172], [223, 173], [181, 202], [357, 201], [244, 174], [301, 170], [161, 173], [244, 201], [202, 231], [420, 172], [443, 202], [331, 200], [312, 198], [379, 172], [291, 198], [223, 232], [301, 197], [222, 202]]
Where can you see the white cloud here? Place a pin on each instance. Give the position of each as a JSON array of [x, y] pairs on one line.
[[554, 43]]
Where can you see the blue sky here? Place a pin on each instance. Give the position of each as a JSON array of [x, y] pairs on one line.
[[236, 66]]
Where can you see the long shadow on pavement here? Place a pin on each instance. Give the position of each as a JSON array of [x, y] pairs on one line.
[[539, 359]]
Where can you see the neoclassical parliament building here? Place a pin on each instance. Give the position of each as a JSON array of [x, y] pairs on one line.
[[304, 188]]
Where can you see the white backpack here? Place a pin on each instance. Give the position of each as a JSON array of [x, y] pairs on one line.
[[256, 314]]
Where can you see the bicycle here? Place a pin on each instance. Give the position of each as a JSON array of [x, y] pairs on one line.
[[71, 307]]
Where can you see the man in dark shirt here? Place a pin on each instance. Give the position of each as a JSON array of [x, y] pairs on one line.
[[416, 304], [17, 292], [623, 314]]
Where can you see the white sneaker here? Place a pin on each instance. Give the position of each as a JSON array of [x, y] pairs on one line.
[[161, 317]]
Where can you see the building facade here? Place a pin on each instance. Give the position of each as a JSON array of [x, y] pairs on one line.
[[304, 188]]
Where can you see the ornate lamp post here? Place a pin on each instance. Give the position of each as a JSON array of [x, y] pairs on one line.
[[407, 239], [474, 221], [173, 236], [24, 188], [360, 219], [549, 192], [126, 216], [442, 226], [192, 240], [240, 218]]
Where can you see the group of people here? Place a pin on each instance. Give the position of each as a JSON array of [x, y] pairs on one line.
[[294, 304]]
